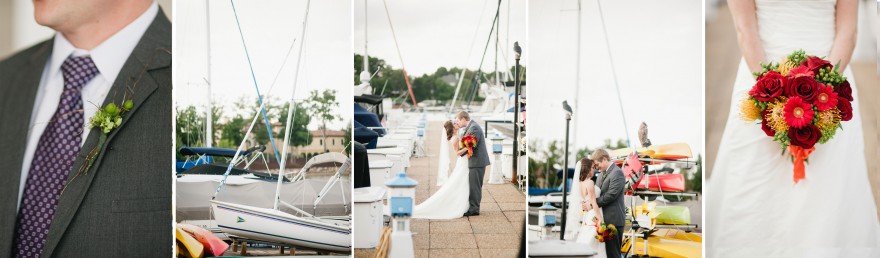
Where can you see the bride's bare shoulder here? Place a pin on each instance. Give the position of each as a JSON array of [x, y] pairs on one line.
[[589, 184]]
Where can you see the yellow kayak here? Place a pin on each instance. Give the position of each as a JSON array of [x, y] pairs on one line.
[[191, 246], [672, 151], [668, 243]]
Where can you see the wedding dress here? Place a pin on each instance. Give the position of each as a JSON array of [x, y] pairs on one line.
[[582, 229], [753, 206], [451, 200], [587, 231], [443, 164]]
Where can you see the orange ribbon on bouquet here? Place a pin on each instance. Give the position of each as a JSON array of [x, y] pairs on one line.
[[800, 155]]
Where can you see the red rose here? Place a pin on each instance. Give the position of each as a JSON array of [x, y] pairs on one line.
[[844, 91], [804, 137], [845, 108], [768, 87], [815, 63], [764, 126], [804, 86]]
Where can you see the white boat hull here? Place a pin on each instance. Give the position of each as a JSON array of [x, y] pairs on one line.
[[275, 226]]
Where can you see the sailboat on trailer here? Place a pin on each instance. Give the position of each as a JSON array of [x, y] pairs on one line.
[[300, 229]]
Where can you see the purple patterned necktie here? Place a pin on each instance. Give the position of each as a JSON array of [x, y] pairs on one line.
[[53, 160]]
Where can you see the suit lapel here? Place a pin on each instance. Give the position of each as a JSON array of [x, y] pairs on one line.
[[17, 104], [133, 82], [470, 127], [605, 175]]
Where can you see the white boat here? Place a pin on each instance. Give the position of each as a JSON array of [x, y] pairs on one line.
[[277, 226], [303, 229]]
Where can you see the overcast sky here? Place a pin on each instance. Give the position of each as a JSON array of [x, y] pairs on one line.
[[657, 51], [432, 34], [269, 27]]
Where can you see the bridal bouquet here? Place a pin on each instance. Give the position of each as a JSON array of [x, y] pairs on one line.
[[468, 142], [605, 231], [800, 101]]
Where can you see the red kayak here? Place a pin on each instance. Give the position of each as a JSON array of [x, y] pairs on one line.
[[211, 244], [664, 182]]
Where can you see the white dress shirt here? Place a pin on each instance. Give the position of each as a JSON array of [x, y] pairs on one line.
[[109, 57]]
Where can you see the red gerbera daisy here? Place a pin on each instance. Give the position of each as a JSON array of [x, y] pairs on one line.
[[797, 112], [800, 71], [826, 99]]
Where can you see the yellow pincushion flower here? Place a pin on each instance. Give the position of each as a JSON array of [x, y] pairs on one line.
[[785, 66], [775, 117], [828, 119], [748, 111]]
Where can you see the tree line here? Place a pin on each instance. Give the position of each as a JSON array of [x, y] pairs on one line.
[[390, 81], [230, 129]]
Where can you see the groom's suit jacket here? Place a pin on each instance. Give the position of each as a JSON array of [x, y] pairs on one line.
[[610, 199], [122, 206], [480, 158]]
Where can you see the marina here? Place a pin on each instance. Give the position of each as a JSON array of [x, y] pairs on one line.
[[496, 232]]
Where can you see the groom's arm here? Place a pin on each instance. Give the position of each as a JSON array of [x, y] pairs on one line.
[[615, 189]]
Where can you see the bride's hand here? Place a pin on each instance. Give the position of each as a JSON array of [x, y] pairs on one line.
[[585, 206]]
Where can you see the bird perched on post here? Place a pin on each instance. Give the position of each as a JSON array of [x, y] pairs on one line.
[[643, 135], [567, 108], [517, 49]]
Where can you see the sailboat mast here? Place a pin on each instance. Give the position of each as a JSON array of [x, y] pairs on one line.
[[497, 28], [290, 113], [209, 124], [577, 80], [366, 54]]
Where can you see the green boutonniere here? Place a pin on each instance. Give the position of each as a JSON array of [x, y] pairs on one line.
[[107, 119]]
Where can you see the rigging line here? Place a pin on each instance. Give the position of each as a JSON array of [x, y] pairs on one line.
[[257, 88], [470, 53], [237, 155], [613, 72], [256, 116], [402, 66], [483, 58], [283, 63]]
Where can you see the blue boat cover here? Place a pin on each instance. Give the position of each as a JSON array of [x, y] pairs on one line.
[[186, 165], [367, 118], [544, 191], [222, 152], [365, 136]]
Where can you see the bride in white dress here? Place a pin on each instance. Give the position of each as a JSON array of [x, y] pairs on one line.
[[451, 200], [754, 209], [586, 232]]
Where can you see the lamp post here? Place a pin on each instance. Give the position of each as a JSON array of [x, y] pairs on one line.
[[516, 112], [568, 113]]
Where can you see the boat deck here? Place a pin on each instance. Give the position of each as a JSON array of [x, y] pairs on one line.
[[496, 232]]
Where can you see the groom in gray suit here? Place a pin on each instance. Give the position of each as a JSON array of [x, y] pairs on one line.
[[103, 51], [476, 163], [611, 182]]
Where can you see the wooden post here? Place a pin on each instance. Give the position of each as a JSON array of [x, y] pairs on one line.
[[281, 248], [243, 248], [234, 245]]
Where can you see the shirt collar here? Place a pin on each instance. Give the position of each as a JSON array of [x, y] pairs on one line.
[[110, 55]]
